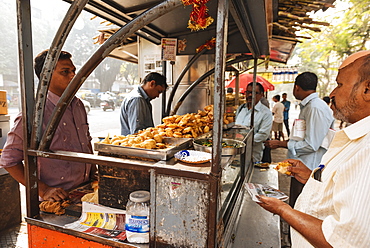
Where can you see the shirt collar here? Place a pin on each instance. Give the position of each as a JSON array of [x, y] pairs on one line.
[[358, 129], [258, 106], [55, 98], [305, 101], [143, 93]]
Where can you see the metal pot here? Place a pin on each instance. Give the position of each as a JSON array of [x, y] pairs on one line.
[[238, 149]]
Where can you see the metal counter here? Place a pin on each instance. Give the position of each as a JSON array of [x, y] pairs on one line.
[[182, 198], [258, 227]]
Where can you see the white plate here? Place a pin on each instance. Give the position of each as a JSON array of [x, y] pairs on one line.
[[194, 157]]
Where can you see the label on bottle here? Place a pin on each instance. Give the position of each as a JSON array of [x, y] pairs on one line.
[[136, 223]]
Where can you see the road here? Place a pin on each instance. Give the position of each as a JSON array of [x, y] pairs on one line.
[[103, 122]]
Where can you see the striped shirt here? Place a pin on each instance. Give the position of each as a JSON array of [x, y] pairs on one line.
[[341, 199]]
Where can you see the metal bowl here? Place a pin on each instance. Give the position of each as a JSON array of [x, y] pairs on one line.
[[238, 149]]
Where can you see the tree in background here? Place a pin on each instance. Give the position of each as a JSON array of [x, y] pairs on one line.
[[8, 41], [45, 23], [129, 72], [348, 33], [107, 73]]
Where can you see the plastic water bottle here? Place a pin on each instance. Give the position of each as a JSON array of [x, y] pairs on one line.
[[137, 217]]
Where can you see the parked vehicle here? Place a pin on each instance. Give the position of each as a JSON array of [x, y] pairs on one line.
[[107, 104], [93, 99], [86, 105]]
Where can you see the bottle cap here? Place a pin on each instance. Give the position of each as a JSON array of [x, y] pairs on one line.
[[140, 196]]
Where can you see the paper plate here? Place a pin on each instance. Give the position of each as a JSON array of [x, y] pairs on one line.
[[193, 157]]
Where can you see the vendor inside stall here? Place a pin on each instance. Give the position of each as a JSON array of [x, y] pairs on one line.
[[136, 109]]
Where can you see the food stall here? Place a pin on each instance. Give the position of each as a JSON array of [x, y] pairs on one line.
[[190, 206]]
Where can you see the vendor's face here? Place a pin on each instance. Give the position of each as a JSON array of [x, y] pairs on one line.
[[154, 90], [248, 94], [345, 96], [62, 76]]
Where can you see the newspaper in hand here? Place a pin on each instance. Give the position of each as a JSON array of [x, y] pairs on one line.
[[255, 189]]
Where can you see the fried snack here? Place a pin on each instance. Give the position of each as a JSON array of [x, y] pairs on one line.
[[92, 197], [282, 167], [57, 208]]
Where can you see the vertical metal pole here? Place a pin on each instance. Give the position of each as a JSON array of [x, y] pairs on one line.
[[219, 109], [27, 101], [237, 87], [254, 90], [164, 72]]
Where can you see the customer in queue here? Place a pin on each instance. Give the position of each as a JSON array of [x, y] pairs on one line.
[[136, 109], [286, 104], [262, 119], [318, 119], [56, 176], [333, 209]]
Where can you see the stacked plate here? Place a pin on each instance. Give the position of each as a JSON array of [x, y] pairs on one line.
[[193, 157]]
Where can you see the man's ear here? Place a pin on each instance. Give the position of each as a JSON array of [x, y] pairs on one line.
[[367, 91], [152, 83]]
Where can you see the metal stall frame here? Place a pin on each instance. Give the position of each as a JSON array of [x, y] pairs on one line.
[[37, 144]]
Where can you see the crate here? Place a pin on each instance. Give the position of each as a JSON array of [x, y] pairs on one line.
[[3, 103]]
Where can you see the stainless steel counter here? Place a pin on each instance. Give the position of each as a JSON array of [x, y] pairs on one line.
[[257, 227]]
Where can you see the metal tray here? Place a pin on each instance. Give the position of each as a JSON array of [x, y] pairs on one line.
[[177, 144], [225, 151]]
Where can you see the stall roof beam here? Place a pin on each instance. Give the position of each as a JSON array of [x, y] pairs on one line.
[[250, 18], [116, 14], [104, 50], [49, 66]]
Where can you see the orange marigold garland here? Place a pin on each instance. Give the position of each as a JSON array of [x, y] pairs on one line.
[[209, 45], [199, 17]]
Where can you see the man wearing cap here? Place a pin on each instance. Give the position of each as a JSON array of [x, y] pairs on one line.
[[332, 210]]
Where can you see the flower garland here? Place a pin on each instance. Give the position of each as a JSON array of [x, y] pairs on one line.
[[208, 45], [199, 17]]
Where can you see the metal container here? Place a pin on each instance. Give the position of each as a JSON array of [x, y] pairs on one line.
[[238, 149], [177, 144]]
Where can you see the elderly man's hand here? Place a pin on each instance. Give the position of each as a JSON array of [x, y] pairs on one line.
[[299, 170], [272, 205], [54, 194]]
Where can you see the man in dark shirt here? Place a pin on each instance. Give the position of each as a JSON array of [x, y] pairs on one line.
[[286, 112]]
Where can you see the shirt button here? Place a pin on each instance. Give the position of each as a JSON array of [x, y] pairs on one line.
[[62, 178], [83, 143], [65, 124], [78, 128]]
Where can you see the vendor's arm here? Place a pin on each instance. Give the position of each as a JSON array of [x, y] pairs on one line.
[[12, 161], [307, 225], [44, 191]]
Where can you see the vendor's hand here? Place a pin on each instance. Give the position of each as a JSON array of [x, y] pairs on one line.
[[54, 194], [272, 205], [299, 170]]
